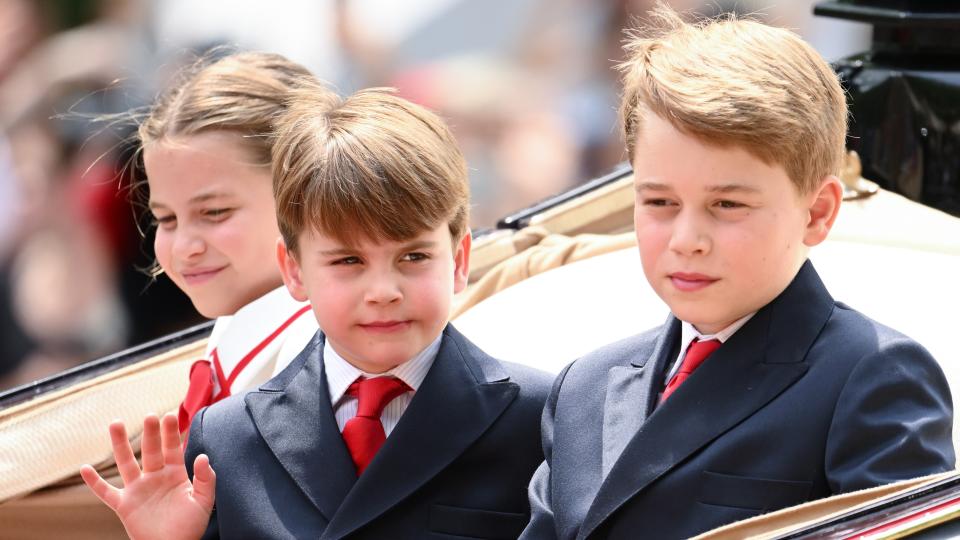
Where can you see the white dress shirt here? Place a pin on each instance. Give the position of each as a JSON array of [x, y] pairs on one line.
[[341, 374], [688, 333]]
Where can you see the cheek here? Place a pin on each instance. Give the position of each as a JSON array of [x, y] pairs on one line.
[[161, 249], [265, 225], [752, 255], [243, 243], [333, 299], [260, 218], [433, 292], [769, 254], [260, 241], [651, 240], [330, 320]]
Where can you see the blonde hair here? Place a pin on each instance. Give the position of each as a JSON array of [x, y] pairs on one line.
[[372, 165], [242, 93], [737, 82]]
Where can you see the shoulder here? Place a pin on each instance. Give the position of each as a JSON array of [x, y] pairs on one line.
[[892, 416], [636, 348], [221, 414], [214, 427], [877, 365], [852, 335], [313, 348], [532, 381], [233, 408]]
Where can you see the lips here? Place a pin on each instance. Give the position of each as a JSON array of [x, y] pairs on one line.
[[197, 276], [688, 282], [385, 327]]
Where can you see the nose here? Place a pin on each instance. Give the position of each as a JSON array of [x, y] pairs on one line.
[[187, 244], [690, 234], [383, 288]]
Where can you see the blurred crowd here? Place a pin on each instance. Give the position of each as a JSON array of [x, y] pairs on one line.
[[527, 86]]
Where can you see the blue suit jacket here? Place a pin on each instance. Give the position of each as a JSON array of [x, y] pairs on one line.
[[808, 399], [457, 464]]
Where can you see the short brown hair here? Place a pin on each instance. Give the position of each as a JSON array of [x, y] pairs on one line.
[[732, 81], [372, 165]]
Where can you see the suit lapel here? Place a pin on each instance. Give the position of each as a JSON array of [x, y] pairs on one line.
[[631, 393], [737, 380], [293, 415], [464, 392]]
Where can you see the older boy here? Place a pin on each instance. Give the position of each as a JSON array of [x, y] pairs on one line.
[[760, 391], [390, 424]]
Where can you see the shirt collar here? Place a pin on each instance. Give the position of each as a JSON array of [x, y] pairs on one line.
[[340, 373], [688, 333]]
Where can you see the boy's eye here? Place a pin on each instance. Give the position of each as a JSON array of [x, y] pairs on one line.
[[657, 202], [347, 261], [217, 214], [730, 204], [415, 256]]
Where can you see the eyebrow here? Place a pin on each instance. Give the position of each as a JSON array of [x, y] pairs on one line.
[[733, 188], [202, 197], [342, 251], [652, 186], [419, 244], [720, 188], [337, 252]]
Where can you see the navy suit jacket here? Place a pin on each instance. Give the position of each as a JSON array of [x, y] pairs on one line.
[[808, 399], [456, 465]]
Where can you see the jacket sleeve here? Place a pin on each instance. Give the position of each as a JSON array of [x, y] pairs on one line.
[[893, 420], [542, 525], [195, 447]]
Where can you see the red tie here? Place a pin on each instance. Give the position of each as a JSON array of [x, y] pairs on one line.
[[199, 393], [697, 352], [364, 433]]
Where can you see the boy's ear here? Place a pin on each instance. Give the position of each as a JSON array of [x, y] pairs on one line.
[[290, 271], [824, 207], [461, 260]]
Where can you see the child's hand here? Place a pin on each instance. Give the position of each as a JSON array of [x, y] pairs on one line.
[[158, 501]]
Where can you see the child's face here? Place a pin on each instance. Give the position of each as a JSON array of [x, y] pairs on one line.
[[379, 303], [721, 233], [216, 228]]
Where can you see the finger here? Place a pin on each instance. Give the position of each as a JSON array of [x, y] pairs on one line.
[[204, 482], [123, 453], [170, 439], [151, 455], [108, 494]]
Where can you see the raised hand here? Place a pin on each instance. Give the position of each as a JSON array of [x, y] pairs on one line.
[[157, 501]]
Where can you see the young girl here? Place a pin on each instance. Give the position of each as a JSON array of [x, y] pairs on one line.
[[206, 150]]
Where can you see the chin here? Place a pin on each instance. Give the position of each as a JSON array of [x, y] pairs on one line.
[[212, 310], [380, 366], [391, 361], [687, 311]]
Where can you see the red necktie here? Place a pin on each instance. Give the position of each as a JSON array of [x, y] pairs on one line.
[[199, 393], [697, 352], [364, 432]]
